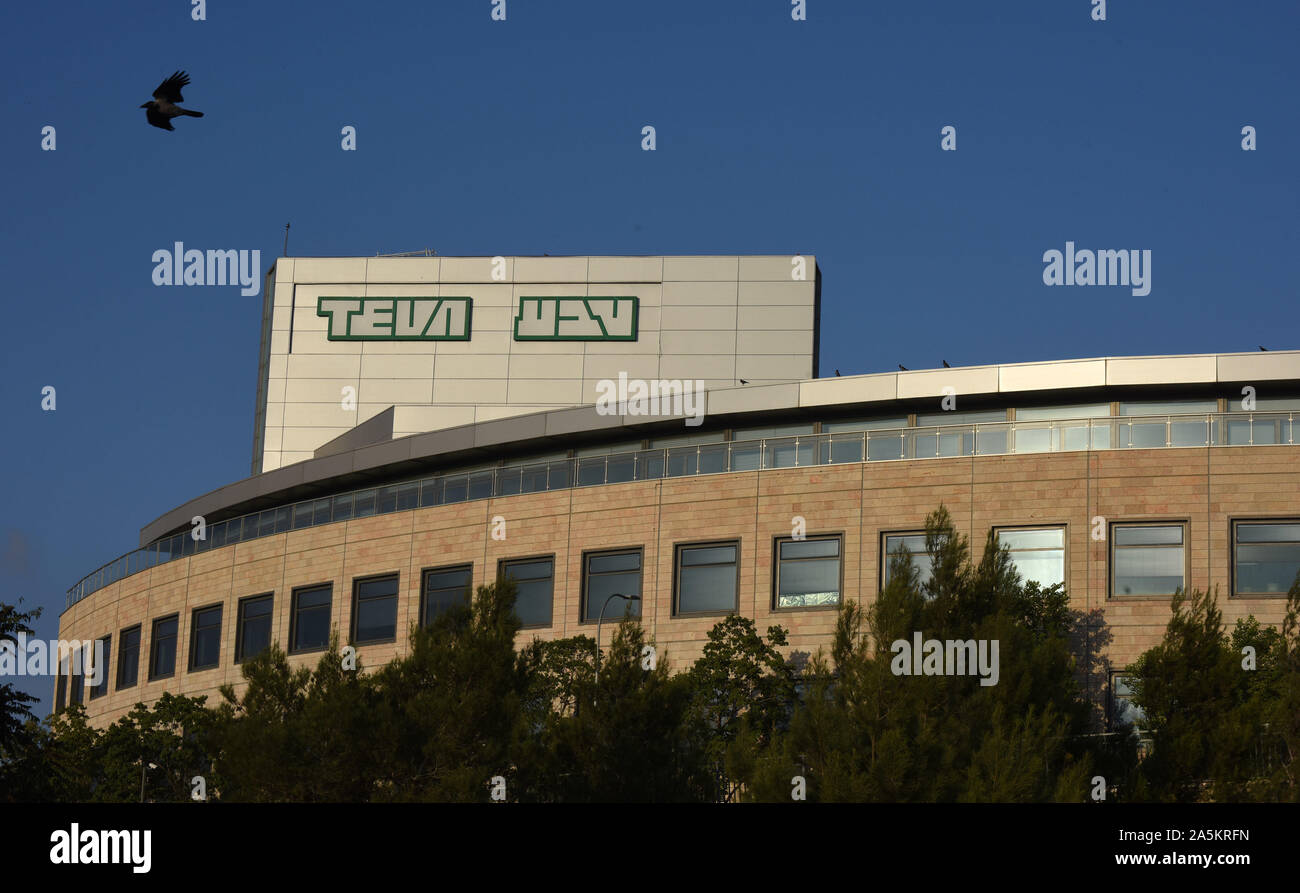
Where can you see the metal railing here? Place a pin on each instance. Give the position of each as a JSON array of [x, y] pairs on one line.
[[892, 444]]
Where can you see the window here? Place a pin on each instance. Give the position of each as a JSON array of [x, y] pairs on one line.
[[443, 588], [309, 619], [1037, 553], [1174, 432], [535, 579], [205, 638], [77, 680], [1123, 712], [611, 573], [707, 582], [1266, 557], [102, 663], [128, 662], [808, 572], [253, 627], [1043, 428], [162, 647], [374, 609], [1148, 559], [914, 543], [60, 687], [992, 439]]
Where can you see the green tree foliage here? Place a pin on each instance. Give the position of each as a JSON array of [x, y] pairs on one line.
[[19, 733], [1221, 730], [865, 733]]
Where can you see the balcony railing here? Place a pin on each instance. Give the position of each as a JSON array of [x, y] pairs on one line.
[[882, 445]]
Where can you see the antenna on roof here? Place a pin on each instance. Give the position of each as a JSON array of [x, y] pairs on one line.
[[286, 240]]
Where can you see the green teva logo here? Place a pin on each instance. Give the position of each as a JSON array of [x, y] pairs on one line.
[[396, 319], [576, 319]]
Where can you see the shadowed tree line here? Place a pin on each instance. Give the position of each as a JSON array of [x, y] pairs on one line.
[[465, 716]]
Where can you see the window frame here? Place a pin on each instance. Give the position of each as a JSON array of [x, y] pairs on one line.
[[1062, 526], [774, 602], [137, 628], [153, 645], [99, 691], [504, 563], [586, 556], [1233, 523], [241, 622], [293, 617], [682, 546], [194, 634], [442, 569], [356, 606], [1111, 544]]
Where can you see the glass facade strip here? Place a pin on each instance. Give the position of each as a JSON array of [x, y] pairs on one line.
[[1037, 430]]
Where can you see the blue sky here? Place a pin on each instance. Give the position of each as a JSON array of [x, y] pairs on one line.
[[522, 137]]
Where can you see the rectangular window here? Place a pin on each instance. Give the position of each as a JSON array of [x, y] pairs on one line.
[[707, 582], [104, 661], [61, 687], [374, 609], [128, 661], [808, 572], [535, 579], [444, 588], [611, 573], [1148, 559], [913, 543], [252, 626], [162, 647], [1038, 553], [77, 679], [205, 638], [1123, 712], [1266, 557], [309, 618]]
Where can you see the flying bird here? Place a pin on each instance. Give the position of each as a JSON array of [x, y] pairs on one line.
[[163, 107]]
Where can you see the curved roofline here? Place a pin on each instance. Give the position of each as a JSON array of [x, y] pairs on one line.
[[562, 427]]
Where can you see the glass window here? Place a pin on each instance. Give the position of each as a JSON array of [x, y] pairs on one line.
[[1070, 411], [162, 647], [1266, 557], [60, 687], [103, 660], [961, 418], [128, 660], [309, 618], [914, 543], [443, 588], [77, 678], [1037, 553], [374, 609], [253, 632], [535, 580], [808, 572], [205, 638], [611, 573], [1123, 712], [1167, 407], [1148, 559], [864, 424], [707, 581], [777, 431]]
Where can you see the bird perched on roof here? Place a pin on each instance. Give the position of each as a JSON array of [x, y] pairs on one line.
[[945, 364], [163, 107], [903, 368]]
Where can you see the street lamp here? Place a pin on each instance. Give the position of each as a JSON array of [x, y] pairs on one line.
[[599, 620]]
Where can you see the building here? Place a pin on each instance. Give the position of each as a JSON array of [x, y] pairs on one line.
[[426, 423]]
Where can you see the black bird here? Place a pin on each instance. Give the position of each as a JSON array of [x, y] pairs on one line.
[[1262, 347], [837, 373], [903, 368], [163, 107], [945, 364], [742, 381]]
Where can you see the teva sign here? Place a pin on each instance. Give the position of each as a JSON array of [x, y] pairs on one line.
[[449, 319]]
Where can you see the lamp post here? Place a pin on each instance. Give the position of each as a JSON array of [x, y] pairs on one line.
[[599, 620]]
